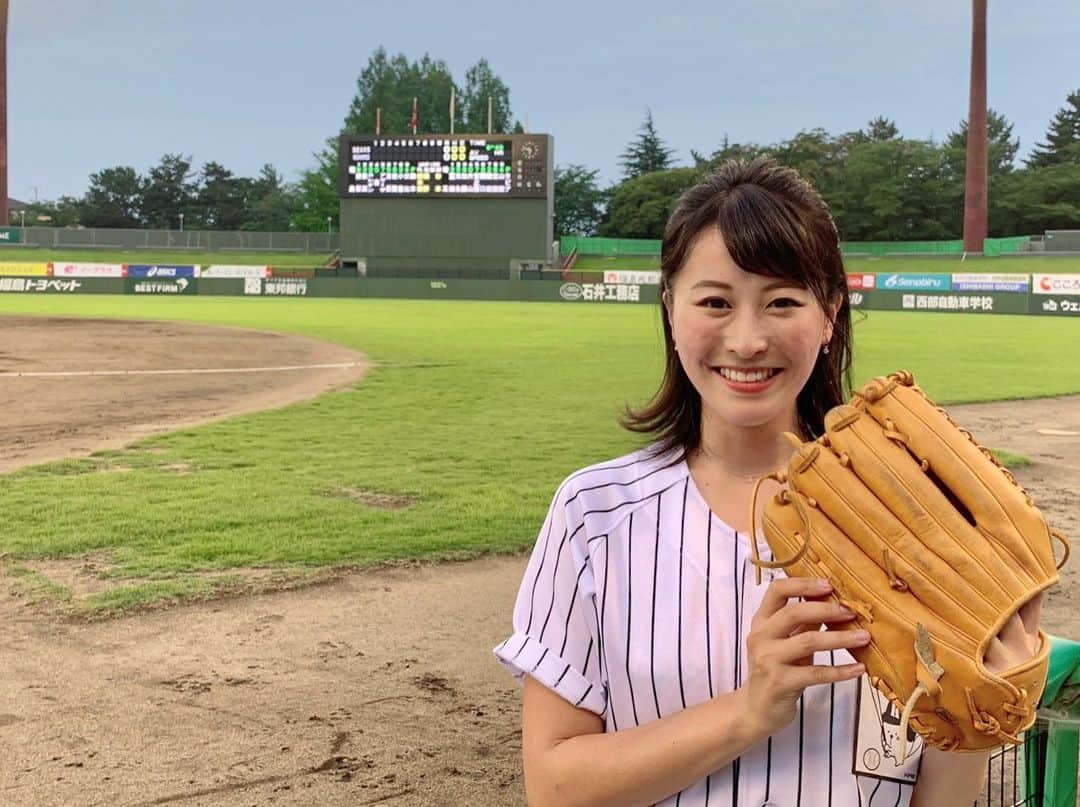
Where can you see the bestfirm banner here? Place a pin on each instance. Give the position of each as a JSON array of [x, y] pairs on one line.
[[161, 270], [87, 269], [225, 270], [990, 282], [160, 285], [914, 282], [24, 269], [1055, 284]]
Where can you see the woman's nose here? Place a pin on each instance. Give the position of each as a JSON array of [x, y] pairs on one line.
[[747, 335]]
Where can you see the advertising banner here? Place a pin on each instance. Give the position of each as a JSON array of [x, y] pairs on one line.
[[161, 270], [25, 269], [39, 285], [1060, 305], [603, 292], [160, 285], [1055, 284], [861, 281], [10, 235], [914, 282], [632, 278], [224, 270], [988, 303], [61, 269], [990, 282]]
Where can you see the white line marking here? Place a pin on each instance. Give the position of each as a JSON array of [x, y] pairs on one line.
[[192, 371]]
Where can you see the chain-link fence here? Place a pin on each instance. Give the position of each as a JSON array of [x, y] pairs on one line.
[[175, 240]]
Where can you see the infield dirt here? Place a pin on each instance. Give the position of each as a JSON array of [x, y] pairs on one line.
[[377, 687]]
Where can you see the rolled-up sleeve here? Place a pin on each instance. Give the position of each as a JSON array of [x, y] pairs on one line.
[[556, 639]]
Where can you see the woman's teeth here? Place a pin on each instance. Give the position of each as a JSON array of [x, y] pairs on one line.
[[746, 376]]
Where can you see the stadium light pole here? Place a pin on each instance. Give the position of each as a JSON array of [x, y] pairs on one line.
[[976, 180], [329, 221], [181, 222], [3, 115]]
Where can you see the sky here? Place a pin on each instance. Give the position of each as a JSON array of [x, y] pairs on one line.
[[249, 82]]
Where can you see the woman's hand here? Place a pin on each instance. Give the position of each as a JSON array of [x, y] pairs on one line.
[[1018, 640], [784, 635]]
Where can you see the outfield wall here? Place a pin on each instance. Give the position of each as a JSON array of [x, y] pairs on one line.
[[1043, 294]]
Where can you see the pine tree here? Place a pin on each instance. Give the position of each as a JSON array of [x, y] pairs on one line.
[[646, 153], [1062, 138]]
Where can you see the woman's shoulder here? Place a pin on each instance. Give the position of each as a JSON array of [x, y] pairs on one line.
[[613, 486]]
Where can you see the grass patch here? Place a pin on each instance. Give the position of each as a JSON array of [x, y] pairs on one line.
[[182, 257], [475, 413], [1010, 459], [36, 587]]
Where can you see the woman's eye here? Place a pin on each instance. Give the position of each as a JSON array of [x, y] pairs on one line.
[[786, 302], [715, 302]]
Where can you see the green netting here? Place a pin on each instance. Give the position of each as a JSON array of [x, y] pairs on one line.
[[879, 249], [611, 247], [608, 247], [992, 247]]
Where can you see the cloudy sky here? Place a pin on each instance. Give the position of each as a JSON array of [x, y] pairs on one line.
[[245, 82]]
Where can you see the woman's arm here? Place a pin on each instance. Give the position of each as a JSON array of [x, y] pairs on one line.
[[949, 778], [570, 760]]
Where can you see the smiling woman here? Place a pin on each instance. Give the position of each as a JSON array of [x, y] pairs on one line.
[[655, 671]]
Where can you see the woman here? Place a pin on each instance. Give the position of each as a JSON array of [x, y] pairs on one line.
[[655, 671]]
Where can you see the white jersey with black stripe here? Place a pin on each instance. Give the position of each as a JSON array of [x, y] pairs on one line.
[[636, 603]]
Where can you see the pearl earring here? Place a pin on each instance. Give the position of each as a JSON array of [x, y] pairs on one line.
[[825, 350]]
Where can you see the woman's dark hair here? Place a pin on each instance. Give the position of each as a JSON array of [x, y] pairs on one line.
[[775, 224]]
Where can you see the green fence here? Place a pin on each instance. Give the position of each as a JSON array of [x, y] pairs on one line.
[[613, 247]]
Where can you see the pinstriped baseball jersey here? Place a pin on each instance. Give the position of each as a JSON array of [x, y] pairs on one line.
[[636, 603]]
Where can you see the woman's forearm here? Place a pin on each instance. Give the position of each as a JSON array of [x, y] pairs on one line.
[[647, 763], [951, 778]]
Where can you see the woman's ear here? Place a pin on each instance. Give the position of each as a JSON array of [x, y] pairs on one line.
[[834, 310]]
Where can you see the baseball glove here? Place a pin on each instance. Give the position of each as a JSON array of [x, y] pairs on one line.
[[933, 545]]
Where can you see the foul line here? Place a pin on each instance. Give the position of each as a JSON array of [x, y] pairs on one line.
[[193, 371]]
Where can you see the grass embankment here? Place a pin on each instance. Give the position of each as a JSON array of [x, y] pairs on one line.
[[473, 416]]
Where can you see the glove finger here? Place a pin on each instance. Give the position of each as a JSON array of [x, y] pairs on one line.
[[996, 503], [850, 516], [891, 614], [894, 478]]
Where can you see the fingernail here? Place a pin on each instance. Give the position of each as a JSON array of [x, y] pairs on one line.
[[822, 584], [862, 636]]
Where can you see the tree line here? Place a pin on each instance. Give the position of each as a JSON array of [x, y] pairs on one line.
[[880, 186]]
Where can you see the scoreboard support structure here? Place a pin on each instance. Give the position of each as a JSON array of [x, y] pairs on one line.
[[423, 204]]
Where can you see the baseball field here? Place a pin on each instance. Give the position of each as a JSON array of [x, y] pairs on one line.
[[220, 560]]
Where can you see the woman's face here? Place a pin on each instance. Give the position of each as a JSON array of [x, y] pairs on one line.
[[748, 343]]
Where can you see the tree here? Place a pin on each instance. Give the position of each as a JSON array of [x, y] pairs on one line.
[[881, 128], [579, 201], [317, 192], [726, 151], [893, 190], [1062, 137], [168, 192], [640, 207], [1003, 147], [64, 212], [480, 85], [646, 153], [389, 84], [270, 202], [113, 198], [221, 199]]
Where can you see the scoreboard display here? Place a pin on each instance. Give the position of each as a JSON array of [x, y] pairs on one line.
[[444, 166]]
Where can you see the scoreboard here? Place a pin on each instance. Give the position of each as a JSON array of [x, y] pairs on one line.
[[445, 166]]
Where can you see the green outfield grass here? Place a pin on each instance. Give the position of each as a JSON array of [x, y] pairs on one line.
[[1024, 265], [183, 257], [476, 412]]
